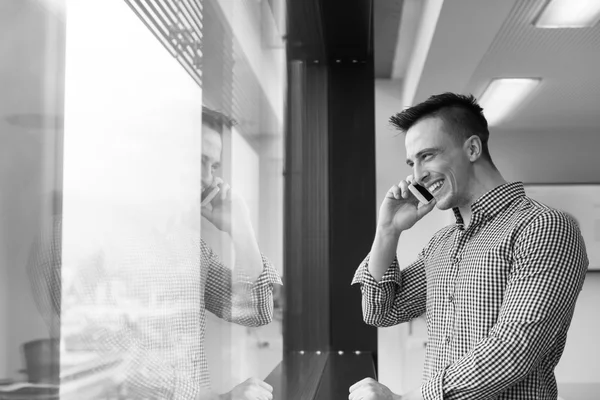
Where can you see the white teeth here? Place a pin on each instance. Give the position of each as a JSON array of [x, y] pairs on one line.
[[435, 186]]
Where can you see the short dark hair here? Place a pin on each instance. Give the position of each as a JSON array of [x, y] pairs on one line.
[[216, 120], [461, 113]]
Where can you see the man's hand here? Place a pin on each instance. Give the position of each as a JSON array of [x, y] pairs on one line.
[[250, 389], [224, 207], [370, 389], [400, 210]]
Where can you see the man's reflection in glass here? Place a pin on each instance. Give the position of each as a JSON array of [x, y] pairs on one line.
[[227, 211], [160, 287]]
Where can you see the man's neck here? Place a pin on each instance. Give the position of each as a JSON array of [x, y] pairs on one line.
[[484, 179]]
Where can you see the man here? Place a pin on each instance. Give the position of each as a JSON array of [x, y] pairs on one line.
[[176, 281], [498, 287]]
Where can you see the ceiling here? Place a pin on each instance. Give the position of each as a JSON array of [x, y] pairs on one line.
[[460, 45], [430, 46]]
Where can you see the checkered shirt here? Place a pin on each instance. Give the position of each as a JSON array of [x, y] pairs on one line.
[[165, 350], [498, 295]]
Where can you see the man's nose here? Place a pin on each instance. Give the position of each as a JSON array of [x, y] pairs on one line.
[[420, 175], [207, 177]]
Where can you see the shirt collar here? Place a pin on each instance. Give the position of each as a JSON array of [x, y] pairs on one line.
[[495, 200]]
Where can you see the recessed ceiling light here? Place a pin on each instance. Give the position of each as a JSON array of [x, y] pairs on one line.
[[569, 14], [502, 96]]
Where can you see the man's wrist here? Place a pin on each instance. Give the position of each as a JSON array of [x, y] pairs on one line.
[[387, 235], [387, 232]]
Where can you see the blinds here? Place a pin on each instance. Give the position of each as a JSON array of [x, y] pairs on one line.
[[198, 34], [178, 25]]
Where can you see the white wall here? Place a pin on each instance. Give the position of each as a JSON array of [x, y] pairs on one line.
[[527, 156]]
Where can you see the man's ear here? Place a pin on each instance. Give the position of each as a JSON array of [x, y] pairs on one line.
[[473, 148]]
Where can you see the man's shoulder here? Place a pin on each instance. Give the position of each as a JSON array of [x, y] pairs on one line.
[[530, 214]]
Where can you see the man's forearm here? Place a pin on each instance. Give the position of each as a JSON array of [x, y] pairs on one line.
[[247, 253], [383, 252]]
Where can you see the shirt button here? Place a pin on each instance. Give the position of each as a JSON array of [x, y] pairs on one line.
[[450, 298], [448, 339]]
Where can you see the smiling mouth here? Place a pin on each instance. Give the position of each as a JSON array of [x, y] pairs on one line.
[[435, 187]]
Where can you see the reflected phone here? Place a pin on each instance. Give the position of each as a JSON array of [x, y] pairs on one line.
[[420, 193], [208, 195]]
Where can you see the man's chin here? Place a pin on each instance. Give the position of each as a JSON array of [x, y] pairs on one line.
[[443, 204]]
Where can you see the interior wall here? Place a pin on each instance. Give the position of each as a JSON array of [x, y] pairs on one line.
[[558, 156], [531, 157]]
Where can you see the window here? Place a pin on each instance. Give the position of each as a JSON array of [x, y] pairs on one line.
[[105, 271]]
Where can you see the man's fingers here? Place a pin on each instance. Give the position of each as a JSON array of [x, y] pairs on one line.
[[206, 213], [260, 392], [394, 192], [404, 189], [425, 209], [359, 384], [264, 385], [360, 393]]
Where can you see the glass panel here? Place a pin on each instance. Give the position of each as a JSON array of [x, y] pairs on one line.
[[244, 78], [32, 49], [127, 286]]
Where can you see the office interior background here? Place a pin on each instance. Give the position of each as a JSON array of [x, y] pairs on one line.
[[100, 132]]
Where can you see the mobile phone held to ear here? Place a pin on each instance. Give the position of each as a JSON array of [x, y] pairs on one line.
[[420, 193], [210, 195]]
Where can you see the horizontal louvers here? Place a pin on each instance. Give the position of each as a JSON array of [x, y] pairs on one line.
[[178, 25]]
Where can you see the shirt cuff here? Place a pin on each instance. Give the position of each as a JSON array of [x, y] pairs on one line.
[[364, 277], [268, 276], [433, 388]]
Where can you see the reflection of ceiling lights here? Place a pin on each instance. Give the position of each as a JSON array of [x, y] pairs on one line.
[[569, 14], [503, 95], [36, 121]]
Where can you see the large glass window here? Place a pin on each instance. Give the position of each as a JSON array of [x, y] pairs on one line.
[[120, 278]]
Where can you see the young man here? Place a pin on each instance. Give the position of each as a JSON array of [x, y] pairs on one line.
[[498, 287], [164, 351]]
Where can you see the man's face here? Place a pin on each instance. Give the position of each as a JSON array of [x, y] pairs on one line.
[[212, 146], [439, 162]]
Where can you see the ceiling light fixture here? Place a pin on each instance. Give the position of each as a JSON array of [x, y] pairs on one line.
[[502, 96], [569, 14]]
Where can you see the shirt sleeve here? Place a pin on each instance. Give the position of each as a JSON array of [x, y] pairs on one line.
[[398, 297], [548, 271], [234, 297]]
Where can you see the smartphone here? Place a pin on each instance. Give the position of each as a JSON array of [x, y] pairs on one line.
[[210, 195], [420, 193]]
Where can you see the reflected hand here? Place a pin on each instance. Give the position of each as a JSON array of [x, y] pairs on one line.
[[370, 389], [222, 208], [250, 389]]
